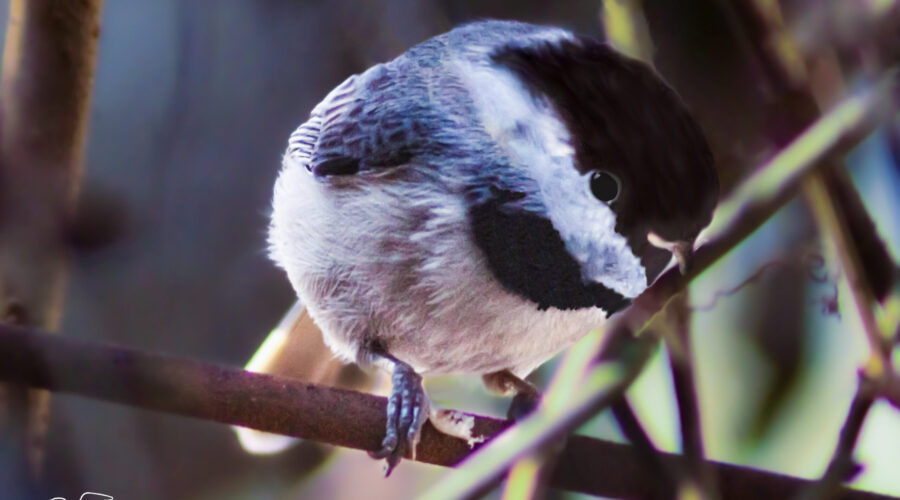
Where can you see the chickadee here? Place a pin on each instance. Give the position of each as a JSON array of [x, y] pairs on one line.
[[483, 201]]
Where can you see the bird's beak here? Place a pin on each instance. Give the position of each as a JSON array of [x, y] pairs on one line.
[[682, 250]]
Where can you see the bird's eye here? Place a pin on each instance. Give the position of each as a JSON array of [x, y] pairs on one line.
[[605, 186]]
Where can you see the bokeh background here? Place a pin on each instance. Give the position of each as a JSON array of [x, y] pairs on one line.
[[192, 105]]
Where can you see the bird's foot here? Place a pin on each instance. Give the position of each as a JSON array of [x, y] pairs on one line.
[[407, 411], [522, 405], [526, 398]]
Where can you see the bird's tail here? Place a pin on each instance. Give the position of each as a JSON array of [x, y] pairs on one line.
[[295, 349]]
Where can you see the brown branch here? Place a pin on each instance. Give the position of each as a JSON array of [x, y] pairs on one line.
[[644, 449], [335, 416], [48, 65], [678, 345], [751, 204], [842, 467]]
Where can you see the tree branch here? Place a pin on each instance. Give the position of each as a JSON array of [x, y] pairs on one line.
[[335, 416], [842, 467]]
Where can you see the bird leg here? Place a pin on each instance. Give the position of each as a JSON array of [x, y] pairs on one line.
[[407, 411], [526, 397]]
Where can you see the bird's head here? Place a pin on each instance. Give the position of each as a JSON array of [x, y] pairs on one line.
[[622, 171]]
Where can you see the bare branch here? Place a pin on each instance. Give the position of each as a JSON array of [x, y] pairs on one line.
[[842, 467], [336, 416], [644, 448], [678, 343], [878, 371]]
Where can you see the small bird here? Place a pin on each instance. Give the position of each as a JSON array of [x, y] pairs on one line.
[[481, 202]]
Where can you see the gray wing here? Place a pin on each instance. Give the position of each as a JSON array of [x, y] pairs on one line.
[[400, 109], [373, 120]]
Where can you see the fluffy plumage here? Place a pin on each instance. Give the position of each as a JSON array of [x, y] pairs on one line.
[[387, 216], [436, 211]]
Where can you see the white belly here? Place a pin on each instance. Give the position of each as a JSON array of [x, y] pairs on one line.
[[384, 259]]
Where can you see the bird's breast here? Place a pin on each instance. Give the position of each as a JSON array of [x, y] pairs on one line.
[[390, 261]]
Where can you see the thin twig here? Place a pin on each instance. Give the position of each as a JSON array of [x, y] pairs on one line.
[[878, 371], [634, 432], [842, 467], [680, 361], [836, 235]]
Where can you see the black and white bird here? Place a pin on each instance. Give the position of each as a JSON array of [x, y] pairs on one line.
[[481, 202]]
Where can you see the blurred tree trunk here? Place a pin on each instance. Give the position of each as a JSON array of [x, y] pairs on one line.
[[48, 64]]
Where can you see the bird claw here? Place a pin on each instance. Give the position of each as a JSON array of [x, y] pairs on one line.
[[522, 405], [526, 396], [407, 411]]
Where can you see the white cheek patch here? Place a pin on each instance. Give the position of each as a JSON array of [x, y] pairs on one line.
[[543, 148], [588, 229]]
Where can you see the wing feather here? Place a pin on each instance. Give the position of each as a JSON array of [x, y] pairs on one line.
[[363, 124]]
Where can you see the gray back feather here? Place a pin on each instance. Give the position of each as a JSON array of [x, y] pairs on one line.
[[414, 106]]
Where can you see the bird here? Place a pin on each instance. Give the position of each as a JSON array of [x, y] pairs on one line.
[[482, 201]]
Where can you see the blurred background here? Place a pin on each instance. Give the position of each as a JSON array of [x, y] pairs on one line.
[[192, 106]]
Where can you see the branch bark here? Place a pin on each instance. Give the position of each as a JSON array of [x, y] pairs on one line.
[[335, 416], [842, 467]]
